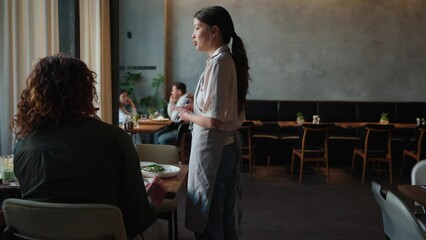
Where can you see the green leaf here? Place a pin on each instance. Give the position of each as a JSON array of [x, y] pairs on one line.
[[151, 102], [129, 82], [384, 116]]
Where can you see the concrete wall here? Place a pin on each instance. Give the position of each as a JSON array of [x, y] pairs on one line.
[[355, 50], [144, 50]]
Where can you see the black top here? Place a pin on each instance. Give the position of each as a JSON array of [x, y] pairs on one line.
[[84, 162]]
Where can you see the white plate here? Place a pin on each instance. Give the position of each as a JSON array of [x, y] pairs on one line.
[[160, 119], [170, 171], [145, 163]]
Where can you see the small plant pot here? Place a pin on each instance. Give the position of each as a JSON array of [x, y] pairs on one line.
[[383, 121]]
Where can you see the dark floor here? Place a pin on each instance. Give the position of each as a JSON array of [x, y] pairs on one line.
[[275, 206]]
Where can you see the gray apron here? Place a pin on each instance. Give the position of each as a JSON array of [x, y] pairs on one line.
[[206, 153]]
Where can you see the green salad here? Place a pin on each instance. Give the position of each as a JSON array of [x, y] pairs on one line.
[[153, 168]]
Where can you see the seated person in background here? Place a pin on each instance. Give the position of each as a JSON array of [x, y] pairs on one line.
[[178, 98], [124, 113], [66, 154]]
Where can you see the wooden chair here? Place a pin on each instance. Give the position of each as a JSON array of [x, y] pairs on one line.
[[266, 137], [163, 154], [313, 147], [375, 147], [183, 142], [247, 145], [420, 149], [27, 219]]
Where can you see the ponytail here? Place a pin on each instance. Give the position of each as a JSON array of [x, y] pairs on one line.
[[239, 55]]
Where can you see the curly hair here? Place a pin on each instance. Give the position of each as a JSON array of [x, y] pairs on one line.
[[60, 88]]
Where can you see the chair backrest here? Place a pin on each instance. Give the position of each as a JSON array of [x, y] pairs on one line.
[[182, 130], [314, 136], [418, 173], [398, 220], [183, 141], [159, 153], [27, 219], [246, 131], [377, 137]]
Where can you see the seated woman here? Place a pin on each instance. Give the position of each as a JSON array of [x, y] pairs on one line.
[[66, 154], [124, 113]]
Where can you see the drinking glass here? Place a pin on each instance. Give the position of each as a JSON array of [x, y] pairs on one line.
[[7, 169], [315, 119]]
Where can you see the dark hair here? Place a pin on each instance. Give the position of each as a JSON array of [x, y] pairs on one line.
[[180, 86], [60, 88], [218, 16], [123, 91]]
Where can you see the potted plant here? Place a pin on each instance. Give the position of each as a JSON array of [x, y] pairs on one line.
[[300, 119], [384, 118], [153, 103], [129, 83]]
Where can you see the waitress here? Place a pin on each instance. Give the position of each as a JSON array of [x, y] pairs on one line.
[[218, 111]]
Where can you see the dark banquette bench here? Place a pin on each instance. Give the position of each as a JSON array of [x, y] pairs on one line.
[[276, 144]]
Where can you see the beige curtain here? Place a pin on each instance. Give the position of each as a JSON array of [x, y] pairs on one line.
[[28, 31], [96, 50]]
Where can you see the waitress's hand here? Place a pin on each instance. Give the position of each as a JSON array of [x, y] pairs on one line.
[[184, 114], [189, 107]]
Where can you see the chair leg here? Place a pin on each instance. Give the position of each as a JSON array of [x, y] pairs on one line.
[[250, 167], [169, 217], [169, 220], [175, 224], [301, 170], [254, 162], [317, 167], [402, 166], [328, 169], [353, 163], [390, 169], [292, 164], [364, 166]]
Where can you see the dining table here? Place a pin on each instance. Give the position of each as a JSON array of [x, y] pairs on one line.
[[171, 184], [256, 123], [292, 124], [164, 122], [416, 193], [149, 127], [175, 184], [348, 125], [145, 129], [10, 189]]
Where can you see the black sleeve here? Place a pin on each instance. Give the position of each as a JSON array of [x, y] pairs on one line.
[[137, 213]]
